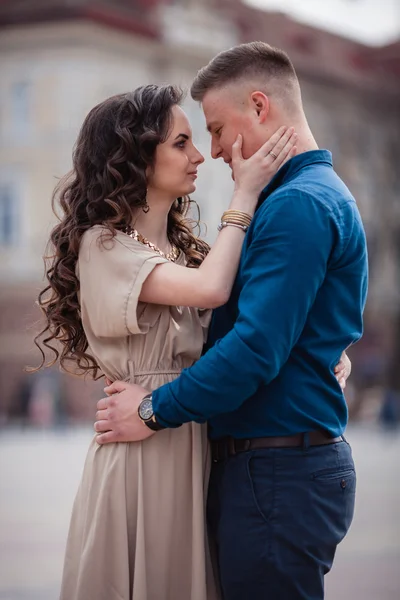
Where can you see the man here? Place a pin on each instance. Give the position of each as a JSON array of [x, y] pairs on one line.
[[282, 486]]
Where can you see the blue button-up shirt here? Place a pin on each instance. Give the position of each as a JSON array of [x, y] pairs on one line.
[[296, 304]]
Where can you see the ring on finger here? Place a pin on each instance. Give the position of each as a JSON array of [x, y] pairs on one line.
[[274, 156]]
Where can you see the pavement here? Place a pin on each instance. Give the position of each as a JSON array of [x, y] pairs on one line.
[[40, 471]]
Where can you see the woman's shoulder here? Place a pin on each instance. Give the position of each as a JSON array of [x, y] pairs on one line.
[[104, 238], [100, 241], [96, 233]]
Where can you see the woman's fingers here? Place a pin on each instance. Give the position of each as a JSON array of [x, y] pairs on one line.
[[254, 173], [273, 140], [286, 140], [343, 368], [278, 141], [237, 150], [288, 151], [283, 147], [280, 147]]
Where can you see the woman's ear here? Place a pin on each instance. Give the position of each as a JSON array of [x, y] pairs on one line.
[[260, 103]]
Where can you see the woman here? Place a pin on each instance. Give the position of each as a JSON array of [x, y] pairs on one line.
[[126, 307]]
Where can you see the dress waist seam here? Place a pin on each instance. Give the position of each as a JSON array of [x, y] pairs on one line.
[[148, 373]]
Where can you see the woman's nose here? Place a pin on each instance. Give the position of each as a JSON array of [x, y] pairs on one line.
[[199, 158]]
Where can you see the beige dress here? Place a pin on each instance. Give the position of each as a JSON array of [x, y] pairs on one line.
[[138, 523]]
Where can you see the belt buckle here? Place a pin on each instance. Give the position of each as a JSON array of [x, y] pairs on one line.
[[242, 445]]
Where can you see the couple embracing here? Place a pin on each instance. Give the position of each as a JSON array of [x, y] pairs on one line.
[[219, 469]]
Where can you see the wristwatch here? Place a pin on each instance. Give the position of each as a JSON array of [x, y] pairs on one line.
[[146, 414]]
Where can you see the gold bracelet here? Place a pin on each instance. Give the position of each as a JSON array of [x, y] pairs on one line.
[[236, 213], [236, 216], [239, 220], [242, 218], [224, 224], [234, 222]]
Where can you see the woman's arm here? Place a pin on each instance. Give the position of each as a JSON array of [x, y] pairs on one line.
[[210, 285]]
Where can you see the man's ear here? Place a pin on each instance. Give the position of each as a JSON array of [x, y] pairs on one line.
[[260, 103]]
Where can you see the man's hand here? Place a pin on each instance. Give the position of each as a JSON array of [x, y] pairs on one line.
[[343, 370], [117, 418]]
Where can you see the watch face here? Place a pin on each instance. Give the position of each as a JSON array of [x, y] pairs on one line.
[[146, 409]]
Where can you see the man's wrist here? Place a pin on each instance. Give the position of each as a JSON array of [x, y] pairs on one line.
[[146, 413]]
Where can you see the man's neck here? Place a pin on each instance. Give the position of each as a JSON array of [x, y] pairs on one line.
[[305, 141]]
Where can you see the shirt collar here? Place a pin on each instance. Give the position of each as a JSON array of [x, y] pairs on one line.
[[292, 167]]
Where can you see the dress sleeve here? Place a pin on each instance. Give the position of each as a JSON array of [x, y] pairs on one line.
[[111, 274]]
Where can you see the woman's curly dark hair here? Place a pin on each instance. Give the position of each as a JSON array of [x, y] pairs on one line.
[[116, 144]]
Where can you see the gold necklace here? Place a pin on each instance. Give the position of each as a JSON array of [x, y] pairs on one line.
[[135, 235]]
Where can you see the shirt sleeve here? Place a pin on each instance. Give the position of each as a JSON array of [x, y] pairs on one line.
[[285, 265], [112, 273]]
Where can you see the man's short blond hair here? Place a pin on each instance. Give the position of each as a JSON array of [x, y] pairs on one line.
[[253, 61]]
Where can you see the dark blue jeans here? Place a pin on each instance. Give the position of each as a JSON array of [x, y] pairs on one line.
[[276, 517]]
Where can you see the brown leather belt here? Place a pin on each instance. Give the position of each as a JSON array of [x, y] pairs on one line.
[[229, 446]]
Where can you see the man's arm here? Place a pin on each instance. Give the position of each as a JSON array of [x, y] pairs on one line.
[[285, 265]]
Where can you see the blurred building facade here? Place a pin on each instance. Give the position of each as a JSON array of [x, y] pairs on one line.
[[59, 58]]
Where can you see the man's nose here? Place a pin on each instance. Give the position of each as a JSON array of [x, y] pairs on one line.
[[216, 149]]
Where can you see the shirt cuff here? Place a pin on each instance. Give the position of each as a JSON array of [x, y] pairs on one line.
[[164, 404]]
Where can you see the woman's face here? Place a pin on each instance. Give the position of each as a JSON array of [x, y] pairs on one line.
[[177, 160]]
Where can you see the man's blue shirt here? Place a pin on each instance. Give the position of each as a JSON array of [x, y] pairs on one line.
[[296, 304]]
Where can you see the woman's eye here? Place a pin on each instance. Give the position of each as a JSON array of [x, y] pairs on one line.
[[218, 131], [181, 144]]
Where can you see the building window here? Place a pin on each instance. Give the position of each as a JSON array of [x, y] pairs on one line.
[[21, 105], [8, 215]]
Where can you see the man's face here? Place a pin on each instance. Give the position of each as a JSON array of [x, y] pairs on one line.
[[229, 112]]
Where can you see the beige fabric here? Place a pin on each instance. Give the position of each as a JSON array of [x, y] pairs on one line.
[[138, 523]]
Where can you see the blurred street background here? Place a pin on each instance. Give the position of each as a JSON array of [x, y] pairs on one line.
[[58, 58], [40, 471]]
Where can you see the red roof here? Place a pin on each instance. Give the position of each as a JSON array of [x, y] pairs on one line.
[[314, 52], [135, 16]]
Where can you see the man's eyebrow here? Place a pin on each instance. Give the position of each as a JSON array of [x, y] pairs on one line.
[[184, 135]]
